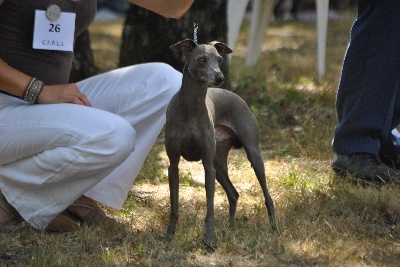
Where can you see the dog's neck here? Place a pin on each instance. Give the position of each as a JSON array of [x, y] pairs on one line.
[[189, 81], [193, 91]]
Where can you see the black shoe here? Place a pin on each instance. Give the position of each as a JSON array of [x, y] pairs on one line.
[[367, 167], [391, 161]]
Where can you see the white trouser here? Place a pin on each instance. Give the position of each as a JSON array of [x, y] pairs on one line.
[[50, 155]]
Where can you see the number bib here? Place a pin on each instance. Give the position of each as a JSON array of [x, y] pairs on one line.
[[54, 35]]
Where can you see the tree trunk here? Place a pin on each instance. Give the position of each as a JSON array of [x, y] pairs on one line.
[[83, 64], [147, 36]]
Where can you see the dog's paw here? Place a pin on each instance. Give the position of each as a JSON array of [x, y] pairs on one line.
[[209, 244], [168, 236]]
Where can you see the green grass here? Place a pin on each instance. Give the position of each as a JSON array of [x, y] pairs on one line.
[[323, 220]]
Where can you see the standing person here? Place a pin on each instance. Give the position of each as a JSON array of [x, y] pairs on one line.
[[366, 143], [67, 147]]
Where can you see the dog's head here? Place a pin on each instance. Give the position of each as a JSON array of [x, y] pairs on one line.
[[203, 61]]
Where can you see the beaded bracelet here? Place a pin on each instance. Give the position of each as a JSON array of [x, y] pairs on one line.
[[33, 90]]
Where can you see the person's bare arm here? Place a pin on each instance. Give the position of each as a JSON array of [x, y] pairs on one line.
[[167, 8], [12, 81], [15, 82]]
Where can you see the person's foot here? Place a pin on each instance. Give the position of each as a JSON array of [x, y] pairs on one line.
[[62, 223], [389, 152], [391, 161], [87, 211], [367, 167], [10, 220]]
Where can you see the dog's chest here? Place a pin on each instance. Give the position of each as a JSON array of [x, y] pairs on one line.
[[190, 128], [196, 141]]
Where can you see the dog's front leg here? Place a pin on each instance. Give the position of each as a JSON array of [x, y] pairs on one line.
[[210, 190], [173, 180]]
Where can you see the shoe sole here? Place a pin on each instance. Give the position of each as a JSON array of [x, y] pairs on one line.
[[356, 179]]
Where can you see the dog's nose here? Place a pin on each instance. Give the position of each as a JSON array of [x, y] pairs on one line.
[[220, 79]]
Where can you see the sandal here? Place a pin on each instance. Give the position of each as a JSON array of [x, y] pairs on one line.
[[95, 217], [14, 221], [62, 223]]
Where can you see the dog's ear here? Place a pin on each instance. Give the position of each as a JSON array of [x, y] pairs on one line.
[[222, 48], [186, 46]]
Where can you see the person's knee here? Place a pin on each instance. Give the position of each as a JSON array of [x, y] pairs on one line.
[[115, 142], [169, 77], [122, 140]]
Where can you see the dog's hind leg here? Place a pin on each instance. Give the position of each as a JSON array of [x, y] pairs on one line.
[[221, 167]]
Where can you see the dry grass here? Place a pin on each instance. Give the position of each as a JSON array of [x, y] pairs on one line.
[[323, 220]]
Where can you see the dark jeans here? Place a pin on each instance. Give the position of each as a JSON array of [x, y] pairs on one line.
[[368, 98]]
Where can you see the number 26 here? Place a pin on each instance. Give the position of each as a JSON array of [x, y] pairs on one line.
[[54, 28]]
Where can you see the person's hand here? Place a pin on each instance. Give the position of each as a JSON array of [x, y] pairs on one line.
[[66, 93]]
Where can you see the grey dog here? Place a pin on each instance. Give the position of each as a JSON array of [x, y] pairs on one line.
[[204, 123]]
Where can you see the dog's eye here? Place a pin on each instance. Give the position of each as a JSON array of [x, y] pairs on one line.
[[202, 60]]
